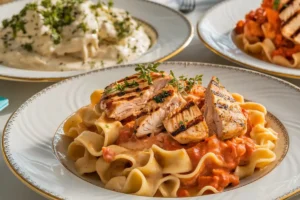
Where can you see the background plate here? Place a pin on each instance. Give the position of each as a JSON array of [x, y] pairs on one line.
[[174, 33], [27, 137], [215, 31]]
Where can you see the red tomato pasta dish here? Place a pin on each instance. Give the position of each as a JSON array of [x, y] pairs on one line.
[[152, 134], [272, 32]]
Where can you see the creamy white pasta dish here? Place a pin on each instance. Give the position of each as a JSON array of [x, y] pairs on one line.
[[152, 134], [58, 35]]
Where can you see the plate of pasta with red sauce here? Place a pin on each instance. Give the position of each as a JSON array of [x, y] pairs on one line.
[[260, 34], [161, 130]]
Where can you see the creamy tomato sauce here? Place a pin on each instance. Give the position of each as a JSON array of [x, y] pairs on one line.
[[233, 152]]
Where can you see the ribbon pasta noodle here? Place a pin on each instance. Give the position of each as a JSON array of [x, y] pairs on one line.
[[157, 164]]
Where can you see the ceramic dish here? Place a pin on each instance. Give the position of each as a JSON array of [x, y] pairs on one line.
[[215, 30], [34, 148], [171, 33]]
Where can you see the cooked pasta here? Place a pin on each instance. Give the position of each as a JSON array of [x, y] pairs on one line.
[[271, 33], [157, 164]]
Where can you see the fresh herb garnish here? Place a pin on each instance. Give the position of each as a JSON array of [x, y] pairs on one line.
[[276, 4], [83, 27], [106, 126], [120, 60], [217, 79], [27, 47], [92, 64], [110, 4], [190, 82], [134, 49], [145, 71], [161, 97], [46, 3], [175, 82]]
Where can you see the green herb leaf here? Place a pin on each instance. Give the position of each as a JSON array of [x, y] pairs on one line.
[[276, 4], [161, 97], [145, 71], [27, 47], [110, 4]]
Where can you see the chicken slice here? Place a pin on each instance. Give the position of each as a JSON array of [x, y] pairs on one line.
[[121, 104], [290, 17], [150, 120], [223, 114], [186, 124]]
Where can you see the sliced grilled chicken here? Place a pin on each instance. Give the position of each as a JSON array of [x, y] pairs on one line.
[[186, 124], [122, 104], [290, 17], [150, 120], [223, 114]]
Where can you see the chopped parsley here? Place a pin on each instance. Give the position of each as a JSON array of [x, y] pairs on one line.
[[145, 69], [134, 49], [27, 47], [106, 126], [120, 60], [92, 64], [46, 3], [160, 98], [110, 4], [83, 27]]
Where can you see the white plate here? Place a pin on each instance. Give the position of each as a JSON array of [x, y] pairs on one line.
[[215, 31], [174, 33], [27, 137]]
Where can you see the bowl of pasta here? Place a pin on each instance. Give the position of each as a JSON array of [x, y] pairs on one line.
[[259, 34], [174, 129]]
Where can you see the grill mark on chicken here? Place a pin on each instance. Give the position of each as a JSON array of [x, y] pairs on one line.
[[285, 5], [110, 97], [225, 97], [186, 107], [135, 76], [146, 112], [184, 127], [285, 23], [296, 33]]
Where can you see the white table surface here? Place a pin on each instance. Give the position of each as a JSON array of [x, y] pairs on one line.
[[17, 92]]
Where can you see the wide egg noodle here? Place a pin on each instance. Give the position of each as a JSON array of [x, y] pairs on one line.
[[72, 126], [260, 158], [143, 180], [266, 48], [110, 128], [86, 164], [123, 162], [201, 165], [93, 142], [264, 138], [173, 162]]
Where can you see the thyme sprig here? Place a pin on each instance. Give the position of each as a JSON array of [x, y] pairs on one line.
[[145, 71], [190, 82], [176, 83], [185, 84]]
